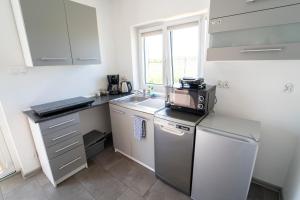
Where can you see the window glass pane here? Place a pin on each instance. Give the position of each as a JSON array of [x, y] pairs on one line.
[[153, 55], [185, 43]]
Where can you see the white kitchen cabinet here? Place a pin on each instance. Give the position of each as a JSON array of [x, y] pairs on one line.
[[143, 150], [121, 128], [122, 122]]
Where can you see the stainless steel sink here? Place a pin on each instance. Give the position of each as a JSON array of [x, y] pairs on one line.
[[152, 103], [134, 99], [140, 103]]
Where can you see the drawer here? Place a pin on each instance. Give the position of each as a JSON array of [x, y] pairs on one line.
[[53, 125], [278, 16], [267, 52], [64, 146], [221, 8], [61, 135], [68, 162]]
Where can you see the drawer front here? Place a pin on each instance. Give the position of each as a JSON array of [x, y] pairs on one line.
[[64, 146], [283, 15], [221, 8], [56, 124], [61, 135], [271, 52], [68, 162]]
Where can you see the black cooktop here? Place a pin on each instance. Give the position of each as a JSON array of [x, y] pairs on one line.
[[61, 106]]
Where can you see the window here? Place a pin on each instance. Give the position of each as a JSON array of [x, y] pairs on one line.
[[170, 51], [184, 52], [153, 58]]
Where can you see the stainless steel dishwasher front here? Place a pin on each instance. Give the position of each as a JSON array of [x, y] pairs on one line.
[[174, 147]]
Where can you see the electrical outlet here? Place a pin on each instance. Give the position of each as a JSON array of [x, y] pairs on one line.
[[223, 84], [226, 85], [220, 84], [289, 88]]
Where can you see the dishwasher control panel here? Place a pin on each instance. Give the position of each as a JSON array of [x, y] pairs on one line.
[[162, 123]]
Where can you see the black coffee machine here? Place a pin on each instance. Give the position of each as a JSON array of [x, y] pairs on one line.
[[113, 84]]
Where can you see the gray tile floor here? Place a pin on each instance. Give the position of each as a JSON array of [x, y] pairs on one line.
[[110, 176]]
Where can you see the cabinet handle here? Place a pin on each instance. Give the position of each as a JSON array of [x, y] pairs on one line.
[[86, 59], [51, 59], [69, 163], [65, 135], [60, 124], [118, 111], [261, 50], [250, 1], [59, 150]]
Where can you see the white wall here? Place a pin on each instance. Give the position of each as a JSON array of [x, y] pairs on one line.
[[256, 87], [291, 189], [256, 92], [19, 90]]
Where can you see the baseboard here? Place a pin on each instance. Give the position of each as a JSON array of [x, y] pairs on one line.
[[269, 186], [32, 173]]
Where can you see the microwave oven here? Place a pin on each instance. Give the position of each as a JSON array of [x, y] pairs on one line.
[[195, 100]]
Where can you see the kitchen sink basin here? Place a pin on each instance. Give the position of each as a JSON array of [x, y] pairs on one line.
[[135, 99], [152, 103], [141, 103]]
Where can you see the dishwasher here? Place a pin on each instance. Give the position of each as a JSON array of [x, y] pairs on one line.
[[174, 135]]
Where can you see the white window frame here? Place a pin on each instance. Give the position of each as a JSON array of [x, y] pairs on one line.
[[167, 62]]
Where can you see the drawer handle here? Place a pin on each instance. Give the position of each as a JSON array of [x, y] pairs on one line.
[[60, 124], [261, 50], [65, 135], [86, 59], [117, 111], [52, 59], [66, 147], [69, 163]]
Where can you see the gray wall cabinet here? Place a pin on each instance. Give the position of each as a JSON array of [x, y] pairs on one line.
[[57, 32], [254, 30], [221, 8], [46, 30], [83, 33]]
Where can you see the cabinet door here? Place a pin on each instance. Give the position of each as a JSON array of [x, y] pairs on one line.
[[143, 150], [121, 128], [46, 29], [272, 17], [83, 33], [222, 163], [221, 8]]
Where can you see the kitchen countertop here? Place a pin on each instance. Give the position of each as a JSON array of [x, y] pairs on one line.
[[99, 101], [179, 117]]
